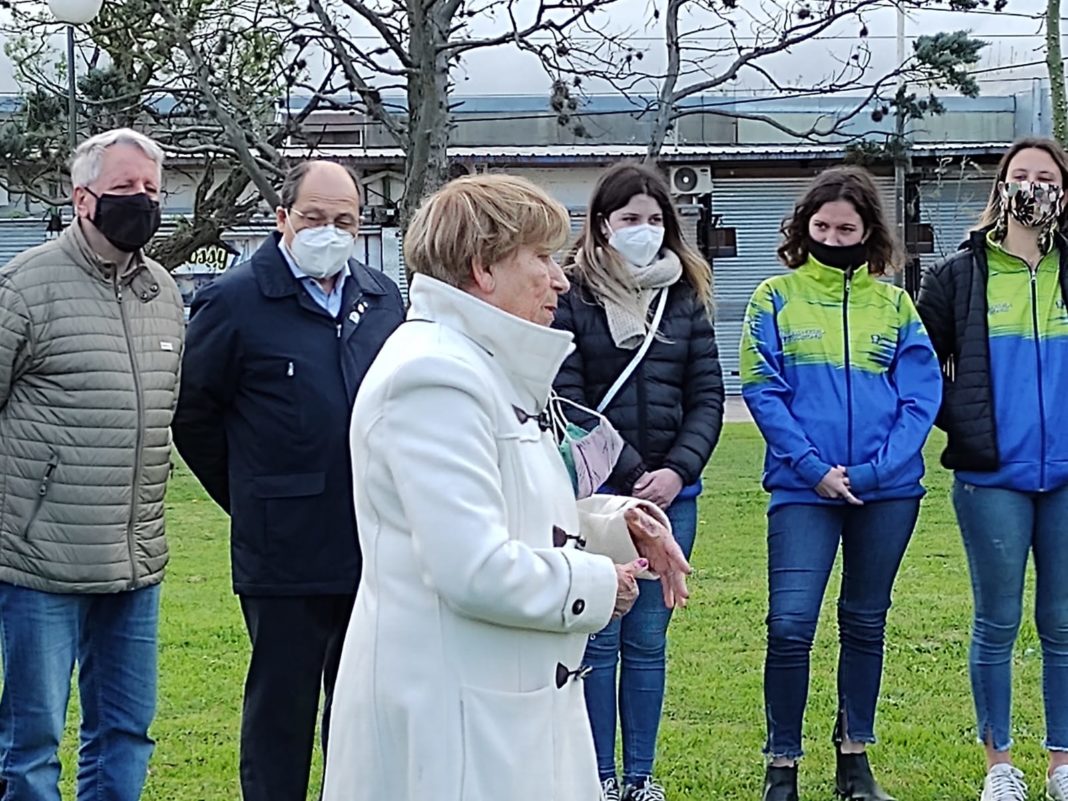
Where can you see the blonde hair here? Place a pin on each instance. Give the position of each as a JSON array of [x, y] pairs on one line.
[[598, 265], [483, 217]]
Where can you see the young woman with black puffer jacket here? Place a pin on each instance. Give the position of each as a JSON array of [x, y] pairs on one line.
[[637, 284]]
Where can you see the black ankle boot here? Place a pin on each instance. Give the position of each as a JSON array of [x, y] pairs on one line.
[[853, 780], [852, 776], [780, 784]]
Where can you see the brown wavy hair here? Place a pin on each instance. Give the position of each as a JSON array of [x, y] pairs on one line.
[[598, 265], [992, 213], [855, 186]]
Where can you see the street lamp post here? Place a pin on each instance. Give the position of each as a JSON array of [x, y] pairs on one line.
[[73, 12]]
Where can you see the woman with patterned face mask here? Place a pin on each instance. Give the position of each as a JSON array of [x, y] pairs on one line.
[[996, 315], [645, 357]]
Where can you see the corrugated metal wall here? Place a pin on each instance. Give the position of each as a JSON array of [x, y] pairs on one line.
[[19, 235], [756, 208], [951, 208]]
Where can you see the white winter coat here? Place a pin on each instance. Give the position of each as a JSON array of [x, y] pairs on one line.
[[466, 613]]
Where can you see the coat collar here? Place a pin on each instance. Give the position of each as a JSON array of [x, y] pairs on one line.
[[832, 279], [275, 279], [528, 353], [77, 247]]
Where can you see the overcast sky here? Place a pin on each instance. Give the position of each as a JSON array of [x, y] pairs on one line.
[[1014, 35]]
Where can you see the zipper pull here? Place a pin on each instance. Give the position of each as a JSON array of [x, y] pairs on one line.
[[43, 489], [339, 330]]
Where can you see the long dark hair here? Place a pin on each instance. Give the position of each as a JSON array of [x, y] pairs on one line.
[[855, 186], [992, 213], [598, 265]]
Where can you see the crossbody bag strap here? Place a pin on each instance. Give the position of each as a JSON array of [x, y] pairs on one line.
[[633, 364]]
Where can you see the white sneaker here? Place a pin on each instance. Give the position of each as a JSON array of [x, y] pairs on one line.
[[1057, 784], [610, 789], [1004, 783]]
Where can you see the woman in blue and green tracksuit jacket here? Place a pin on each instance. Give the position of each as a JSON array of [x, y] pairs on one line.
[[996, 313], [843, 382]]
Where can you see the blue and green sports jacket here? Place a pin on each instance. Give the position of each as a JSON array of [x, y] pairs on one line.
[[1028, 333], [837, 369]]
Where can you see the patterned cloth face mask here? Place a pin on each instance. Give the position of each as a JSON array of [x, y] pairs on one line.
[[1033, 205], [590, 456]]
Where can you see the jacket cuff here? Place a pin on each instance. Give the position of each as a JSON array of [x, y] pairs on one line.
[[812, 469], [630, 478], [591, 598], [862, 478], [605, 529]]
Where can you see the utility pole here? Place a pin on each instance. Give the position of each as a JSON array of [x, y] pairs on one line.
[[899, 151]]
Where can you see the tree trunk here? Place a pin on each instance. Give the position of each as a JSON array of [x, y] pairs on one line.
[[1055, 65], [426, 162], [665, 107], [175, 250]]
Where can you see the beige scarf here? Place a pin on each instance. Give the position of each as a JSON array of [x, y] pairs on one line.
[[629, 323]]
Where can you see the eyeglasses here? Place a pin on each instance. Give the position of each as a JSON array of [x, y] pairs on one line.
[[344, 222]]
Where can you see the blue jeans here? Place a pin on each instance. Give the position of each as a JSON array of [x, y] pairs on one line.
[[802, 545], [113, 640], [999, 528], [639, 641]]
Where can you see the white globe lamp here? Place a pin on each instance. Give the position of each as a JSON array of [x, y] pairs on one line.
[[75, 12]]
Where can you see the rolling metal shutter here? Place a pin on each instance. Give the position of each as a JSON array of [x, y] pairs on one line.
[[951, 208], [19, 235]]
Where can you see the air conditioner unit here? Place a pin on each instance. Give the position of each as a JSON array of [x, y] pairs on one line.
[[691, 180]]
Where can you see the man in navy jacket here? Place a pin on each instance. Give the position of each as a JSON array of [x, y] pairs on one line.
[[275, 351]]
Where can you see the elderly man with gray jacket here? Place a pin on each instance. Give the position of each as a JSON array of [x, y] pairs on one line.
[[91, 335]]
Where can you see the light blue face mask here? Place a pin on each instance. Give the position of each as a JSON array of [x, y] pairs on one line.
[[590, 456]]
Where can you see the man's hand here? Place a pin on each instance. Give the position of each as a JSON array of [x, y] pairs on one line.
[[655, 543], [660, 487]]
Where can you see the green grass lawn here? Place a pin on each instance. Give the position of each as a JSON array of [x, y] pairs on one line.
[[713, 722]]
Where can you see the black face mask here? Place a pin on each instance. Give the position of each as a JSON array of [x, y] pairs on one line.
[[848, 257], [127, 221]]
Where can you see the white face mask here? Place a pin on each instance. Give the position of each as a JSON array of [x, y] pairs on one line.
[[321, 252], [638, 244]]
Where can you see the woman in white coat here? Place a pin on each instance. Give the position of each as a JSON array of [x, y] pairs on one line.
[[459, 679]]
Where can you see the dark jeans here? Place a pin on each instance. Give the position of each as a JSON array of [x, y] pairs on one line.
[[802, 544], [296, 648], [639, 642], [1000, 528], [112, 638]]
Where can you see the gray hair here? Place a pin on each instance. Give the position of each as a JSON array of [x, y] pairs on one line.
[[88, 158]]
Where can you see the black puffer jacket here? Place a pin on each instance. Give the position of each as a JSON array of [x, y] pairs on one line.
[[953, 306], [670, 410]]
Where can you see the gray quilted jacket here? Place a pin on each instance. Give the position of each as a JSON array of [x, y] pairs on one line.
[[88, 382]]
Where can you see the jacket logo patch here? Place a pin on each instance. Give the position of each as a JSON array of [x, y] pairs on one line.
[[1000, 308], [789, 337], [164, 345]]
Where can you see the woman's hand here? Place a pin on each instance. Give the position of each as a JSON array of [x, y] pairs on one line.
[[655, 543], [627, 586], [836, 485], [660, 487]]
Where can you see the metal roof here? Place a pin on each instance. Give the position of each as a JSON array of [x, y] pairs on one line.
[[533, 155], [636, 104]]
